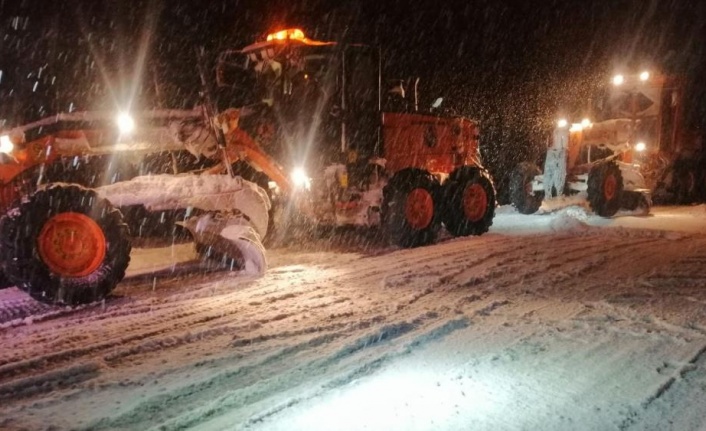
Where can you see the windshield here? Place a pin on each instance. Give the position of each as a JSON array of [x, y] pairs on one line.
[[287, 93], [293, 76]]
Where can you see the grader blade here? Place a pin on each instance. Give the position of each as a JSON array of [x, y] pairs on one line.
[[229, 217], [231, 240]]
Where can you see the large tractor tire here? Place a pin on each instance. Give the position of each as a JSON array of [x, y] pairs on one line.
[[521, 195], [605, 189], [410, 216], [469, 202], [65, 245]]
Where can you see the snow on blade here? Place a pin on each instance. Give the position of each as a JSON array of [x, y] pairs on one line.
[[205, 192], [231, 236]]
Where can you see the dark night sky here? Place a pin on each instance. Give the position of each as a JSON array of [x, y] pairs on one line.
[[512, 64]]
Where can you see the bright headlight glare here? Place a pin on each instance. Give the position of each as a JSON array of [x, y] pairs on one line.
[[125, 123], [562, 123], [6, 145], [644, 76], [300, 179], [640, 146], [618, 80]]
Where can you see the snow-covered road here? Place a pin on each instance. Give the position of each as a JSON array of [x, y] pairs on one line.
[[555, 321]]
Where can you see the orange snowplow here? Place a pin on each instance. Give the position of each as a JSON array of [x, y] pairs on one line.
[[297, 126], [320, 123], [72, 191], [628, 147]]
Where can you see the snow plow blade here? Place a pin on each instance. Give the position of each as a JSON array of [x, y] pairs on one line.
[[230, 214], [231, 237]]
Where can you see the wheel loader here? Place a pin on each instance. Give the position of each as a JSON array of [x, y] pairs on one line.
[[294, 124], [626, 149]]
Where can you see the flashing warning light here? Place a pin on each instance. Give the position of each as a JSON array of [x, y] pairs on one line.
[[290, 33]]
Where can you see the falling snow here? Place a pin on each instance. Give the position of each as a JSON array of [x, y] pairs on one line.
[[557, 321]]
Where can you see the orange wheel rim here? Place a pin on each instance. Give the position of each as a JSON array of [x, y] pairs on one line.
[[419, 208], [610, 187], [475, 202], [71, 244]]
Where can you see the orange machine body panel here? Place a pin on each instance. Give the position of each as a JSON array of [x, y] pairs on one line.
[[436, 144]]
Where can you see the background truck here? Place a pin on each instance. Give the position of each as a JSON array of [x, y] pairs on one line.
[[624, 149], [299, 123]]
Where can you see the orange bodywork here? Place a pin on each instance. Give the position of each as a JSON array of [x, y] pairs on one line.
[[31, 154], [435, 144], [240, 146]]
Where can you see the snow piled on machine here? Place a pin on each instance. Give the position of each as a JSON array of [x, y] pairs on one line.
[[220, 193], [237, 211]]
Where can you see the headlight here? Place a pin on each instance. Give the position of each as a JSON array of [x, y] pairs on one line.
[[640, 147], [300, 179], [618, 80], [644, 76], [6, 145], [562, 123], [125, 123], [576, 127]]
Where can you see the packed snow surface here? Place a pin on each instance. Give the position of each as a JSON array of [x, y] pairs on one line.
[[555, 321]]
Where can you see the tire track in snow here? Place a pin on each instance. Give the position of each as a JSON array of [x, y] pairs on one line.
[[190, 323], [307, 296], [253, 382], [183, 318]]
